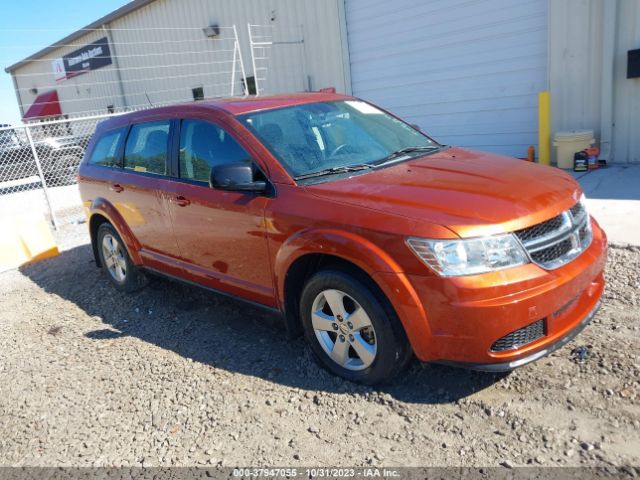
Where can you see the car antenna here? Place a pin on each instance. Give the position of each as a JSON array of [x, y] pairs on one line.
[[148, 99]]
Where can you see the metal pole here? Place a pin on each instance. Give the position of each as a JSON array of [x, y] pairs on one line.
[[233, 72], [54, 221], [244, 74], [544, 128], [253, 62], [306, 82]]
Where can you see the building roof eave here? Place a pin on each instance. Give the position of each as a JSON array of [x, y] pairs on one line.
[[120, 12]]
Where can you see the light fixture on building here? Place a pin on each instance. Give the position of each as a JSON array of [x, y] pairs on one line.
[[211, 31]]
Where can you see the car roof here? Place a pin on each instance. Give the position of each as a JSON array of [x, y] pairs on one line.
[[232, 106]]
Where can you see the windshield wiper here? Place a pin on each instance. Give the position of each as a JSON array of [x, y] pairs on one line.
[[404, 151], [365, 166], [334, 171]]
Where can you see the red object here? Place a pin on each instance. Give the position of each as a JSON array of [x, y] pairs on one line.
[[328, 90], [593, 153], [531, 154], [245, 244], [45, 105]]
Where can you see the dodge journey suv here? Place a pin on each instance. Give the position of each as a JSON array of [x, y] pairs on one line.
[[370, 238]]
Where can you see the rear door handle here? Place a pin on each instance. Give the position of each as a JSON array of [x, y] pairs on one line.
[[181, 201], [117, 188]]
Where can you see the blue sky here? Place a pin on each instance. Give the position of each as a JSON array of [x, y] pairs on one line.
[[26, 26]]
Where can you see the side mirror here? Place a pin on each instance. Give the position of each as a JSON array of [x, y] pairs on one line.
[[235, 177]]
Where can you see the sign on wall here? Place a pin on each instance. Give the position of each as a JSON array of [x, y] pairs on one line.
[[85, 59]]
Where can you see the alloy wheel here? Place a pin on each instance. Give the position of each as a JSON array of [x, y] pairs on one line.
[[344, 330], [114, 257]]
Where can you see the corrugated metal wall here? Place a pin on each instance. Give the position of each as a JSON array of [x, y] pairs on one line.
[[88, 92], [315, 21], [468, 72], [588, 67], [162, 53], [626, 130]]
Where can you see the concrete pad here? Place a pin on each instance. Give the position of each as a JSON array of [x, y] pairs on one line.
[[613, 198]]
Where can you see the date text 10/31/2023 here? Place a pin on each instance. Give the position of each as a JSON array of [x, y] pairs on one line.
[[368, 472]]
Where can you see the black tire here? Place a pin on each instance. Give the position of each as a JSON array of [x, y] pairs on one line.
[[392, 347], [133, 278]]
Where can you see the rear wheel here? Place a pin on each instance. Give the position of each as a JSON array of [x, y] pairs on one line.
[[124, 275], [353, 332]]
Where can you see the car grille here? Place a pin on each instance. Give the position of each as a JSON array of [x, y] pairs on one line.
[[555, 242], [541, 229], [520, 337]]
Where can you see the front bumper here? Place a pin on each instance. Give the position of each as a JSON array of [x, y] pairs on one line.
[[508, 366], [456, 320]]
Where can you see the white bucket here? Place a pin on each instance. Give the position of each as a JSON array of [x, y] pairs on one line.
[[569, 143]]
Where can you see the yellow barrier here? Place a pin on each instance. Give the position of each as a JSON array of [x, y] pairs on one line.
[[544, 128], [25, 239]]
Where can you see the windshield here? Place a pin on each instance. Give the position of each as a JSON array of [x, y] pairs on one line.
[[329, 136]]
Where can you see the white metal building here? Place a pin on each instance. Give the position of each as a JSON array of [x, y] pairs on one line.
[[469, 71], [157, 52], [466, 71]]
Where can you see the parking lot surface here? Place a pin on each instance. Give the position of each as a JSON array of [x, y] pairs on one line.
[[174, 375]]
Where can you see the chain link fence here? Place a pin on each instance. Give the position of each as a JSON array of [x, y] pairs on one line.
[[38, 167], [39, 159]]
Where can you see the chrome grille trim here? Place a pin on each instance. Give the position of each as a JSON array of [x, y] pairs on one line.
[[557, 241]]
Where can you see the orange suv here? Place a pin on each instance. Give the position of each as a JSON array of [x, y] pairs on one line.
[[372, 239]]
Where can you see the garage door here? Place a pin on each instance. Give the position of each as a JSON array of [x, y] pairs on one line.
[[467, 72]]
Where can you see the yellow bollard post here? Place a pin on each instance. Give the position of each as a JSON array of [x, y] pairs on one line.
[[544, 128]]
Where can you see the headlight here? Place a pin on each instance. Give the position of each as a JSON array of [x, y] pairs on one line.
[[451, 258]]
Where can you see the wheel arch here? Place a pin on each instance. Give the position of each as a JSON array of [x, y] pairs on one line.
[[309, 251], [103, 212], [299, 272]]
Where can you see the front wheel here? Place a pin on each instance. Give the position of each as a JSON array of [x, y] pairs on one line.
[[352, 329]]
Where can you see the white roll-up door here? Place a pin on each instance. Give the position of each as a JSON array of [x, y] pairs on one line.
[[466, 71]]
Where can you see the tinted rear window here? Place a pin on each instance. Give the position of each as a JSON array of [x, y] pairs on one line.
[[105, 152], [146, 149]]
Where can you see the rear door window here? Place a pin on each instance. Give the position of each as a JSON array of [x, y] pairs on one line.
[[106, 151], [146, 148], [203, 145]]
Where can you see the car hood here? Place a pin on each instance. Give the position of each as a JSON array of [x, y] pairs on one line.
[[471, 193]]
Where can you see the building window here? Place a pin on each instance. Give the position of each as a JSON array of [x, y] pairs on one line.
[[198, 93], [250, 86]]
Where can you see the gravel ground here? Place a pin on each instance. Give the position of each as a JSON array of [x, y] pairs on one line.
[[173, 375]]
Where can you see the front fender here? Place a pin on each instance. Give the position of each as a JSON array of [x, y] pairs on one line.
[[348, 246], [370, 258], [103, 207]]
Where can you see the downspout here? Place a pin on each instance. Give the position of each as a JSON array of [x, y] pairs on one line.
[[116, 64], [344, 44], [610, 15]]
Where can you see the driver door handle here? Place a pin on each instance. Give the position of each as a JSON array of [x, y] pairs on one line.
[[117, 188], [181, 201]]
